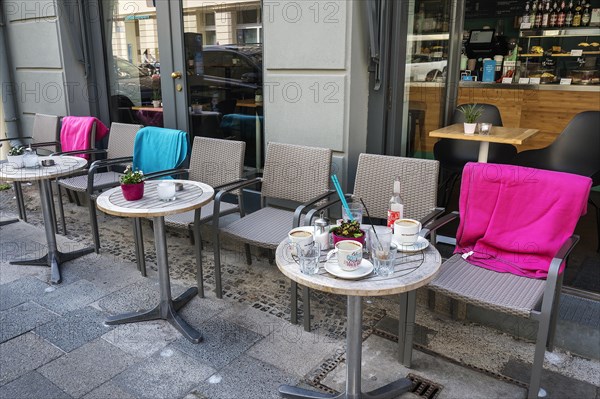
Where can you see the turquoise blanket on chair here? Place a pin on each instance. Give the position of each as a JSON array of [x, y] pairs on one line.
[[157, 149]]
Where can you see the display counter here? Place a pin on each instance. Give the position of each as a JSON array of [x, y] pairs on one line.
[[548, 108]]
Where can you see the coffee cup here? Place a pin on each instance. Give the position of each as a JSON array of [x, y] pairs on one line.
[[406, 231], [349, 254], [299, 236]]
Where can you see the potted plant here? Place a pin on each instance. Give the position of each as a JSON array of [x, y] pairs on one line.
[[15, 156], [348, 230], [132, 184], [472, 112]]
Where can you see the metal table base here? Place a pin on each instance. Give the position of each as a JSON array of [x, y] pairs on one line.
[[54, 258], [167, 307], [353, 366]]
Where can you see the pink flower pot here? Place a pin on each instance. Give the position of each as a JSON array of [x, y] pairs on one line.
[[337, 238], [133, 192]]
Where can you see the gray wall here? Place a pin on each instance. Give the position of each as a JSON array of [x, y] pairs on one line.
[[48, 77]]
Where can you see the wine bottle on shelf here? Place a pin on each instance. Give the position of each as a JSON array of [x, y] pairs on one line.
[[577, 15], [525, 17], [553, 15], [569, 14], [586, 16], [396, 208], [538, 15], [560, 20], [532, 13], [546, 15]]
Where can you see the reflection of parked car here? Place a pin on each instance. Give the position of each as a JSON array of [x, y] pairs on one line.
[[133, 82], [424, 68]]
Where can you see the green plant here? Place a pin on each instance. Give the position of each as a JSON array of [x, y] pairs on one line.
[[156, 94], [348, 229], [132, 177], [472, 112], [19, 150]]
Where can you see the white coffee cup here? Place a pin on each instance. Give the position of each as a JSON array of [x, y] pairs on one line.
[[349, 254], [406, 231], [300, 236]]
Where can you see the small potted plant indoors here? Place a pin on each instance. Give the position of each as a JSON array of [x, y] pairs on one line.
[[156, 100], [132, 184], [472, 112], [15, 156], [348, 230]]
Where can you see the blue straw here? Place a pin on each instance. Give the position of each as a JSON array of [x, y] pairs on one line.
[[338, 188]]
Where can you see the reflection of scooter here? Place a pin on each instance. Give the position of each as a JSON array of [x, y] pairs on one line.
[[151, 68]]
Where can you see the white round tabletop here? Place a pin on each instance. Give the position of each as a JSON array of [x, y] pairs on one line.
[[411, 271], [194, 195], [64, 166]]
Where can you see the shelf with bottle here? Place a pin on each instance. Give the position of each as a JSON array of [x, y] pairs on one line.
[[552, 14]]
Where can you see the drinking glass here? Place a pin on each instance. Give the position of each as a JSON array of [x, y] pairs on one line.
[[356, 210], [485, 128], [380, 241], [383, 261], [166, 191], [309, 257]]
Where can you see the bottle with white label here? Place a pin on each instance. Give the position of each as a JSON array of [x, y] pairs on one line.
[[396, 208]]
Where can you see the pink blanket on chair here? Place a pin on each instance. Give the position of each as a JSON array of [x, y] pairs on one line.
[[75, 133], [515, 219]]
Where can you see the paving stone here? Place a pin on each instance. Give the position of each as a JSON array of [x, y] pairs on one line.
[[23, 354], [87, 367], [75, 328], [9, 273], [199, 309], [20, 291], [32, 386], [142, 339], [223, 342], [19, 319], [66, 298], [253, 319], [168, 374], [108, 391], [244, 378], [289, 343], [106, 272]]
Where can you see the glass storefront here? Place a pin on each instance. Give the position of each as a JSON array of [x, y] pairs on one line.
[[223, 69]]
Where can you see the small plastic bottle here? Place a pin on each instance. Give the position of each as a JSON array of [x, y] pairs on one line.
[[396, 208]]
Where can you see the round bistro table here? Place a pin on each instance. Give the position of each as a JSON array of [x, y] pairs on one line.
[[411, 271], [193, 196], [64, 166]]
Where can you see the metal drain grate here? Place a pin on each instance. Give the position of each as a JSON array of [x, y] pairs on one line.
[[423, 387]]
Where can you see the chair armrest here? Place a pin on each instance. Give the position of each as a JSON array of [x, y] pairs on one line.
[[221, 193], [90, 151], [562, 254], [432, 215], [438, 223], [101, 164], [167, 172], [311, 214], [224, 185], [45, 144], [18, 138], [301, 208]]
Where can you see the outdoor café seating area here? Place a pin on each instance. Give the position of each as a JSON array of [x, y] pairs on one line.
[[170, 279]]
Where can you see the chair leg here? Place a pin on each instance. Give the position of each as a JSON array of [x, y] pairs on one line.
[[406, 328], [271, 256], [294, 302], [198, 249], [20, 201], [248, 254], [94, 224], [306, 307], [76, 198], [191, 235], [217, 254], [139, 245], [540, 344], [554, 315], [61, 210], [53, 207]]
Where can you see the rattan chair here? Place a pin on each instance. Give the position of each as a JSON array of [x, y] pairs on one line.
[[508, 293], [374, 182], [120, 150], [218, 163], [43, 135], [293, 173]]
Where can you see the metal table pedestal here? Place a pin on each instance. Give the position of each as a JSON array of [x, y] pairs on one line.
[[353, 366], [167, 307], [54, 258]]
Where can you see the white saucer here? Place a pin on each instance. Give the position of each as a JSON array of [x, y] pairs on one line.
[[420, 245], [365, 268]]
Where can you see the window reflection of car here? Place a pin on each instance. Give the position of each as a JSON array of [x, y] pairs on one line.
[[133, 82], [424, 68]]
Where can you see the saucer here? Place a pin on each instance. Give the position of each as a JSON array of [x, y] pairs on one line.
[[420, 245], [365, 268]]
